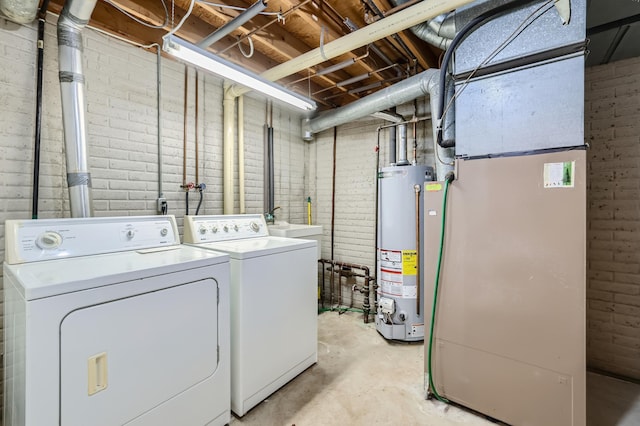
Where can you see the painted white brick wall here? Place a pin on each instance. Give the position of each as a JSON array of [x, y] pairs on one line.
[[122, 134], [612, 112]]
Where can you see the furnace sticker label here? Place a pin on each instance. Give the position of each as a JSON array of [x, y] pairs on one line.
[[559, 175], [409, 262], [433, 187]]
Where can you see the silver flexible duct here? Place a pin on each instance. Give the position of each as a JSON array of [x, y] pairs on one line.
[[74, 17], [425, 83]]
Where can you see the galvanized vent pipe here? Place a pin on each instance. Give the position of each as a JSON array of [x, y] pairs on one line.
[[425, 83], [402, 144], [74, 17]]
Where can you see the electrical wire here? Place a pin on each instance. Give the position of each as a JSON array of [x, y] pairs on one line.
[[242, 9], [432, 385], [250, 54], [183, 20], [140, 21], [530, 19]]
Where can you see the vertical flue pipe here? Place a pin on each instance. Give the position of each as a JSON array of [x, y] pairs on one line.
[[74, 17], [392, 144], [402, 144]]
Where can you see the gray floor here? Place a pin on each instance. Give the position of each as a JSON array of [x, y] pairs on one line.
[[612, 402], [362, 379]]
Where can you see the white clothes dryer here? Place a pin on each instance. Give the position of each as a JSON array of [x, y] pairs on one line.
[[110, 321], [274, 281]]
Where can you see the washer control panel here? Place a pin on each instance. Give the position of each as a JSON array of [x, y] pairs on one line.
[[207, 229], [46, 239]]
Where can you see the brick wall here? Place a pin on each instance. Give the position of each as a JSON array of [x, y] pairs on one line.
[[612, 115], [122, 134]]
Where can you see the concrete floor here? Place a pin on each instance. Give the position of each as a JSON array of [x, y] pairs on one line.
[[612, 402], [362, 379]]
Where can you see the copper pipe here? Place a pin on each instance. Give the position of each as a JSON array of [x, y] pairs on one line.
[[196, 135], [416, 188]]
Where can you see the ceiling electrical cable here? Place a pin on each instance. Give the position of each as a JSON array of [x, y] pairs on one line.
[[242, 9], [146, 24], [183, 20]]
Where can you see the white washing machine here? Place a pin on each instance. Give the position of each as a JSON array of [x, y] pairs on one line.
[[110, 321], [274, 281]]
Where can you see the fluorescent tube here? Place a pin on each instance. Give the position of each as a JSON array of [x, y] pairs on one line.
[[206, 60]]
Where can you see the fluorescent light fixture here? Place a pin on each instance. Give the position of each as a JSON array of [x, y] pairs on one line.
[[206, 60]]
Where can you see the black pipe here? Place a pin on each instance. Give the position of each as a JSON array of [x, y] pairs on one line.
[[462, 34], [271, 168], [186, 198], [333, 190], [42, 19], [201, 188]]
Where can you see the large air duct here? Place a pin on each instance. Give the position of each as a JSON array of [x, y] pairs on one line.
[[425, 83], [74, 17], [441, 30]]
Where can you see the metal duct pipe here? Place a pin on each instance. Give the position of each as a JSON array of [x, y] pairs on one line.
[[402, 143], [407, 90], [393, 142], [74, 17], [425, 83], [21, 12], [441, 30], [236, 22]]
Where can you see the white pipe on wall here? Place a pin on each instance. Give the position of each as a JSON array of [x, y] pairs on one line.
[[241, 153], [228, 106]]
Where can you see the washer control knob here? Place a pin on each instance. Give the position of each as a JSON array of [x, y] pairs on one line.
[[254, 226], [164, 232], [214, 228], [130, 234], [202, 229], [226, 228], [235, 227], [49, 240]]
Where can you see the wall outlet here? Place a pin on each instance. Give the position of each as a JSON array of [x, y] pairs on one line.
[[162, 203]]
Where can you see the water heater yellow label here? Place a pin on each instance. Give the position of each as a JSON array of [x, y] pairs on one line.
[[409, 262]]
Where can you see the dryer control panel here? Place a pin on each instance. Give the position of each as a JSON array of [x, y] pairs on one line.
[[208, 229], [46, 239]]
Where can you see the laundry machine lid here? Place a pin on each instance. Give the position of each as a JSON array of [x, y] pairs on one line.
[[48, 278], [261, 246]]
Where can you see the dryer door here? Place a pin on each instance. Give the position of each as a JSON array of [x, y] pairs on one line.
[[129, 356]]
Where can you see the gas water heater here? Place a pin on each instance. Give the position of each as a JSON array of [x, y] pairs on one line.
[[400, 313]]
